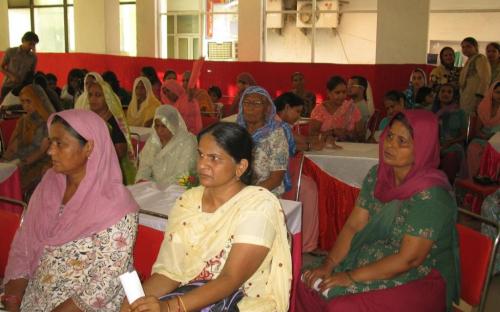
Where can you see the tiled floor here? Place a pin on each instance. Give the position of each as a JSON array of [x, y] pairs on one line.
[[492, 302]]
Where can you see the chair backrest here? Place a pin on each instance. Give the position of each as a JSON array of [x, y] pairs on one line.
[[373, 121], [9, 223], [147, 246], [295, 168], [208, 120], [471, 128], [476, 261]]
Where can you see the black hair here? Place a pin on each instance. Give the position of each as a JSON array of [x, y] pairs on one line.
[[216, 91], [422, 93], [334, 81], [169, 72], [236, 141], [394, 95], [472, 41], [51, 77], [59, 120], [150, 73], [362, 82], [30, 36], [402, 119], [78, 74], [495, 45], [110, 77], [41, 80], [496, 85], [289, 98], [297, 74]]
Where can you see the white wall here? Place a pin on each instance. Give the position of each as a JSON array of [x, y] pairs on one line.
[[249, 30], [354, 42]]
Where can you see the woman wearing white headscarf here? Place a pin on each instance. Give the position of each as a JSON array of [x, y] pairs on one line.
[[170, 152], [83, 100], [141, 109]]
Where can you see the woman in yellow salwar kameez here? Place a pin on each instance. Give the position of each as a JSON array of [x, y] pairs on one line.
[[225, 244]]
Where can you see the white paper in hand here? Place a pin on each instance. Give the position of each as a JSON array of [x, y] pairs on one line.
[[132, 286]]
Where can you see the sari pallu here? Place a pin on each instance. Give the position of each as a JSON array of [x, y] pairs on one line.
[[193, 238], [139, 117], [82, 102]]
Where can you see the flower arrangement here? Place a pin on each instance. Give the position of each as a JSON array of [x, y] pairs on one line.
[[189, 181]]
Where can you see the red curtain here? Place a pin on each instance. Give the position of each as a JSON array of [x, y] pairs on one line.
[[275, 77], [335, 203]]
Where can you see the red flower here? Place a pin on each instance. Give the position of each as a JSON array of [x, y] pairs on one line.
[[192, 179]]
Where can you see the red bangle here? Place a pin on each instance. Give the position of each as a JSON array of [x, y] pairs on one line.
[[11, 299]]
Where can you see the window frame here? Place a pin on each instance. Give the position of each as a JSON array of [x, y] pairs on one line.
[[32, 6]]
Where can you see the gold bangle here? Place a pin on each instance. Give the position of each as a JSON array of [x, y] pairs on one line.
[[350, 277], [182, 303]]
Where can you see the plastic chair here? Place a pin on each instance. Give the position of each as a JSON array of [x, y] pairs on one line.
[[372, 122], [480, 191], [477, 257], [208, 119], [147, 246], [9, 223]]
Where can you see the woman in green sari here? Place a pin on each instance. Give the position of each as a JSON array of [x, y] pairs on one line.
[[105, 103], [398, 251]]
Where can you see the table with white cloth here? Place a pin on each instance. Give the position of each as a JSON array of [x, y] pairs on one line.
[[10, 186], [339, 174], [155, 205]]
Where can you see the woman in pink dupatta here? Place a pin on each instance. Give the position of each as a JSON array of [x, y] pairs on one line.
[[398, 250], [337, 116], [487, 125], [174, 94], [79, 231]]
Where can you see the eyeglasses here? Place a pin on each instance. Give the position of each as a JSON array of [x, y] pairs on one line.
[[253, 103]]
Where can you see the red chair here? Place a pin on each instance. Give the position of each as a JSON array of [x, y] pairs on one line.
[[373, 122], [147, 246], [477, 257], [295, 168], [9, 223]]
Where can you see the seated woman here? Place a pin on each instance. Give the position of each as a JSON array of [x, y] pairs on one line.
[[273, 140], [418, 79], [288, 109], [28, 143], [105, 103], [446, 71], [79, 231], [487, 125], [243, 81], [394, 102], [170, 151], [360, 91], [299, 89], [83, 100], [337, 116], [141, 109], [174, 94], [150, 73], [227, 235], [73, 88], [452, 130], [398, 250]]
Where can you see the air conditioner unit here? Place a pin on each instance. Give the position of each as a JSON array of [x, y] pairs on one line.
[[222, 51], [274, 20], [329, 19]]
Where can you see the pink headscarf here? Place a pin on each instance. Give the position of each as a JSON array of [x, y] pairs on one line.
[[484, 108], [100, 201], [424, 173], [189, 110]]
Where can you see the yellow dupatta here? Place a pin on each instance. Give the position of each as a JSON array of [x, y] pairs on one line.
[[192, 238], [139, 117]]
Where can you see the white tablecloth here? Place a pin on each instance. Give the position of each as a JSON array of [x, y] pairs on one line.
[[349, 164], [143, 132], [495, 141], [6, 170], [156, 204]]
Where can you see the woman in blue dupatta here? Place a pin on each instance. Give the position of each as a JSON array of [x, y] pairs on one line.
[[274, 143]]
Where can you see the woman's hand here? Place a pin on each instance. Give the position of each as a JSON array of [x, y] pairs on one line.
[[125, 306], [148, 303], [310, 276], [336, 279]]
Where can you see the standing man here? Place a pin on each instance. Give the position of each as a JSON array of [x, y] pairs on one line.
[[19, 63]]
